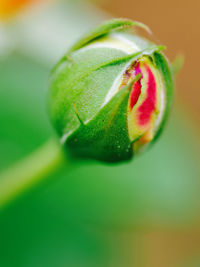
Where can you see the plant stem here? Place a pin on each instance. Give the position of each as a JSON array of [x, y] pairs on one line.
[[30, 171]]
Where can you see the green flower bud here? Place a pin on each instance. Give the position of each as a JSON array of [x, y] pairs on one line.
[[111, 93]]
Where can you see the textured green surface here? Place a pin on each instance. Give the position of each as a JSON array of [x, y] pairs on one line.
[[51, 225], [105, 28], [69, 88], [103, 132]]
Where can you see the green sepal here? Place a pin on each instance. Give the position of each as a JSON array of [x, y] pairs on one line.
[[105, 28], [70, 80], [165, 70], [105, 137]]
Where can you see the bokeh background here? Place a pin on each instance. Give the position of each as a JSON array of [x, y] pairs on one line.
[[145, 213]]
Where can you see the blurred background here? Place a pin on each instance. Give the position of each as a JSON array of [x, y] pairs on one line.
[[145, 213]]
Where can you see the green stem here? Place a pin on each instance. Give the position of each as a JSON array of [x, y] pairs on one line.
[[30, 171]]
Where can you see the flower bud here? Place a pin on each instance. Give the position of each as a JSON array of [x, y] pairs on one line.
[[111, 93]]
